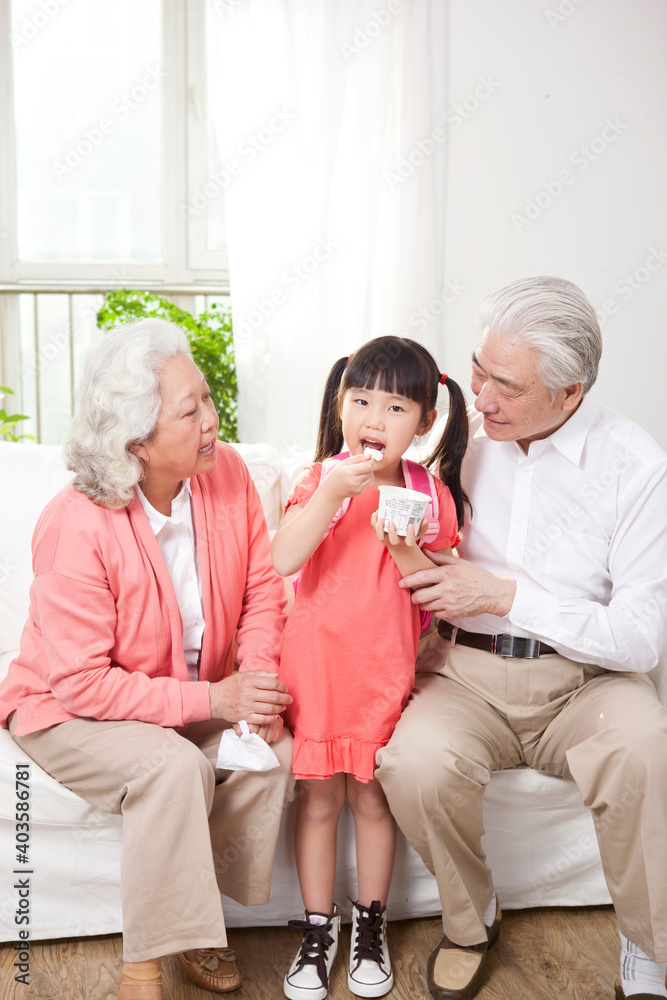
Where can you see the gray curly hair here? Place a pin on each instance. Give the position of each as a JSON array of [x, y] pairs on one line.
[[555, 317], [118, 403]]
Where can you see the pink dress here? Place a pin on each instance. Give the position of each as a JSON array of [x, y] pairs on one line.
[[349, 647]]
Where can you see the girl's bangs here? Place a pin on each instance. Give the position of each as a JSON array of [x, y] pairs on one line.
[[392, 368]]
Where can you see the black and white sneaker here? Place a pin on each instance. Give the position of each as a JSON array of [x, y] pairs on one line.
[[308, 977], [370, 972]]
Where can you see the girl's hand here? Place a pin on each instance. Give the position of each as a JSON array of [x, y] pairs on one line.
[[270, 733], [405, 552], [349, 478], [388, 534]]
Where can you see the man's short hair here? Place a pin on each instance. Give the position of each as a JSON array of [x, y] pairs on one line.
[[555, 317]]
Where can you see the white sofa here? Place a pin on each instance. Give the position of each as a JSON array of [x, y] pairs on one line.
[[539, 837]]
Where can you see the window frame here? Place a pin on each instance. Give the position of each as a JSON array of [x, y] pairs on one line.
[[184, 137], [199, 257]]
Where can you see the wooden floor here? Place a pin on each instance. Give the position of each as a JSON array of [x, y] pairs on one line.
[[571, 954]]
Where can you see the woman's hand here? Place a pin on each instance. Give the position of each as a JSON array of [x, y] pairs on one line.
[[254, 695]]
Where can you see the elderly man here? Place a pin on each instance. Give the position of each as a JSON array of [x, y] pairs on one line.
[[553, 617]]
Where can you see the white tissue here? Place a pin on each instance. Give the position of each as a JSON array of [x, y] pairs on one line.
[[248, 752]]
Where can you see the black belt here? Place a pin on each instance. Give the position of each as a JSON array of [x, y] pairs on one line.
[[504, 645]]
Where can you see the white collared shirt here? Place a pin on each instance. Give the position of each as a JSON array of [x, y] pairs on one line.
[[178, 544], [581, 523]]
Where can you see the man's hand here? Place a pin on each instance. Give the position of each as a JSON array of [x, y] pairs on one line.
[[456, 588], [254, 695]]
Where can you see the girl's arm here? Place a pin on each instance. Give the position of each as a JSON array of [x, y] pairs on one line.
[[303, 528]]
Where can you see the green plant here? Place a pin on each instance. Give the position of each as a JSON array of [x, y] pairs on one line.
[[8, 421], [210, 336]]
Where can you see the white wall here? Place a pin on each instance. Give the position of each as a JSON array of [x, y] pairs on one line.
[[559, 71]]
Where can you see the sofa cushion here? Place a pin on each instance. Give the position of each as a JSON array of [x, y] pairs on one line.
[[38, 473], [264, 464]]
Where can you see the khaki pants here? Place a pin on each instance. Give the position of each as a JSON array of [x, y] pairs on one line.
[[481, 713], [190, 831]]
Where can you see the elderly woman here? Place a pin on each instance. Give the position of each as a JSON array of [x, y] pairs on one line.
[[147, 566]]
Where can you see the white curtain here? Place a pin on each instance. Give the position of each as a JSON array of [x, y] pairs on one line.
[[330, 117]]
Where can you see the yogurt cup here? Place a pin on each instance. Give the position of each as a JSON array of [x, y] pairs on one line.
[[402, 506]]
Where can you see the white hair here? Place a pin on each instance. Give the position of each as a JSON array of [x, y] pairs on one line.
[[555, 317], [118, 403]]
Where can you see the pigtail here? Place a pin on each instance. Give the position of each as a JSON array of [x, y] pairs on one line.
[[446, 460], [330, 435]]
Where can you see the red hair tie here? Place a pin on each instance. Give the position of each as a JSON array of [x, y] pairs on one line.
[[349, 357], [443, 379]]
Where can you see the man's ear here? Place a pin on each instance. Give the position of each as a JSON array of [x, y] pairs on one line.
[[427, 423], [573, 395]]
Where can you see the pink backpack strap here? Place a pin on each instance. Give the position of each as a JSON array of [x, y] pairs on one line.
[[419, 478]]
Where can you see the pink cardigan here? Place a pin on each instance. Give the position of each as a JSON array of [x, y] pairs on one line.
[[104, 637]]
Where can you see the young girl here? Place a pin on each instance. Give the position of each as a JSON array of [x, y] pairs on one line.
[[350, 643]]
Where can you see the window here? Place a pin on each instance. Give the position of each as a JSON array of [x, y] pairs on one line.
[[88, 116], [107, 173]]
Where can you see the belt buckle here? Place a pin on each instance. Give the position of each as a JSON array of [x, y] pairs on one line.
[[517, 647], [445, 629]]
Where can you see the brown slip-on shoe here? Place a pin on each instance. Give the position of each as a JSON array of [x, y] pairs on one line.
[[456, 973], [620, 995], [214, 969]]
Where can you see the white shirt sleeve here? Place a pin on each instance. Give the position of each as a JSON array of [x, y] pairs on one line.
[[630, 632]]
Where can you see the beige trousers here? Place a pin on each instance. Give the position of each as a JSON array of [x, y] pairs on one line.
[[190, 831], [482, 713]]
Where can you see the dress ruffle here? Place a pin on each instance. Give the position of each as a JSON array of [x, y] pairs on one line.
[[324, 758]]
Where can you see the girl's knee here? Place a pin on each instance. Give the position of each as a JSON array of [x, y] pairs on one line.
[[321, 800], [367, 799], [282, 748]]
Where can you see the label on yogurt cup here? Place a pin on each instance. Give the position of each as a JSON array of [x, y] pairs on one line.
[[402, 506]]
